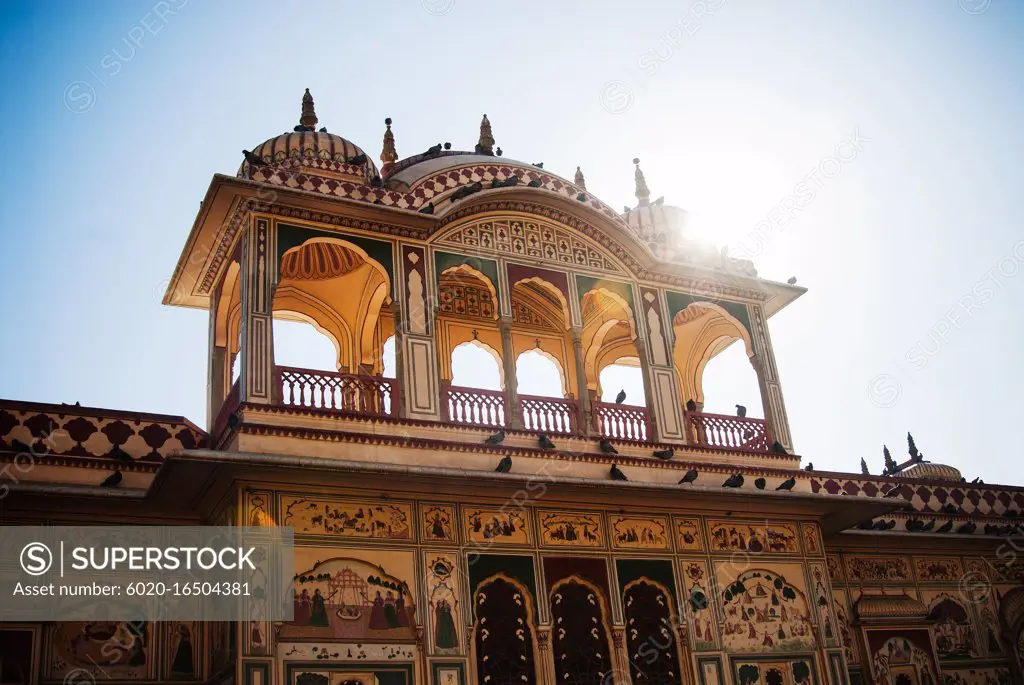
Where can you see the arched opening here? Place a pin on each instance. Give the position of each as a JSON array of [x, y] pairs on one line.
[[503, 633], [388, 359], [651, 634], [539, 373], [732, 414], [580, 641], [475, 394], [623, 375]]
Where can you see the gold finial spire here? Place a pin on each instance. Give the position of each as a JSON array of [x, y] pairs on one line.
[[579, 180], [308, 118], [486, 144], [643, 193], [388, 155]]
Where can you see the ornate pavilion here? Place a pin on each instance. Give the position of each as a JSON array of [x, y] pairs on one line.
[[458, 536]]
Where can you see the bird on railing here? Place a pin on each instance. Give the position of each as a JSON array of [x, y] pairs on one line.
[[113, 480], [967, 528], [505, 465], [690, 477], [741, 411], [665, 453], [607, 447], [928, 526], [787, 484], [545, 442], [691, 405], [621, 397], [760, 483], [427, 208], [949, 508], [885, 525], [945, 527], [617, 473], [791, 280], [809, 467], [120, 455], [233, 421], [734, 481], [496, 439], [777, 448]]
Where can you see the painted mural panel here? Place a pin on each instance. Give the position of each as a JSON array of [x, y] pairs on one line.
[[118, 650], [756, 537], [812, 538], [938, 569], [496, 527], [765, 609], [901, 655], [360, 595], [257, 508], [566, 529], [835, 569], [347, 518], [438, 523], [851, 649], [688, 535], [821, 595], [954, 629], [992, 675], [772, 672], [443, 592], [183, 645], [700, 604], [640, 532], [989, 634], [877, 568]]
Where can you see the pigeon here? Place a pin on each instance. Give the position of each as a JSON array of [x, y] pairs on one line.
[[617, 473], [928, 526], [777, 448], [690, 476], [358, 160], [791, 280], [659, 202], [545, 442], [428, 208], [895, 492], [967, 528], [787, 484], [433, 150], [113, 480], [253, 159], [1011, 513], [497, 151], [945, 527], [627, 210], [539, 165], [376, 182], [760, 483], [233, 421], [665, 453], [734, 481], [447, 146], [949, 509], [889, 525], [505, 465], [991, 529], [535, 183], [607, 447], [621, 397], [809, 467], [20, 446], [691, 405], [120, 455], [323, 129], [496, 439], [976, 481], [582, 197], [866, 525], [300, 128], [913, 525], [741, 411]]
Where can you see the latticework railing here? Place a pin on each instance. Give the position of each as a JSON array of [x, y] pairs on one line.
[[549, 414], [348, 392], [474, 406], [730, 432], [622, 421]]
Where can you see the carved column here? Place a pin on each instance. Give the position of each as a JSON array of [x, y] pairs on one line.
[[768, 379], [216, 378], [586, 406], [620, 658], [645, 372], [397, 403], [259, 277], [508, 362], [546, 663]]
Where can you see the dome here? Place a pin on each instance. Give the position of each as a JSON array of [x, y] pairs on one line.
[[305, 144], [927, 471], [890, 607]]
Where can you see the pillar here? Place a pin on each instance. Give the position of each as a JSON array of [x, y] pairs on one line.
[[768, 379], [259, 277], [546, 662], [216, 361], [581, 381], [620, 656], [508, 363], [661, 386], [397, 403]]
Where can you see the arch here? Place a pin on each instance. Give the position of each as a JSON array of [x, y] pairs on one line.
[[301, 318], [229, 294], [636, 396], [453, 272], [954, 629], [703, 330], [504, 629], [345, 264], [580, 635], [489, 350], [289, 303], [563, 381], [552, 290], [651, 621], [617, 299]]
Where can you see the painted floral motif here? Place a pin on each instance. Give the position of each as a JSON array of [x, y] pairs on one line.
[[764, 613], [570, 530], [699, 605], [878, 568], [640, 532], [348, 518]]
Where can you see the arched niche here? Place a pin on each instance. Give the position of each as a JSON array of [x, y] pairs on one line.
[[472, 369], [504, 633], [608, 332], [580, 635], [702, 330]]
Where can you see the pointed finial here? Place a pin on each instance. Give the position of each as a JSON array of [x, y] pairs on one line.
[[388, 155], [308, 118], [486, 144], [579, 180], [642, 192]]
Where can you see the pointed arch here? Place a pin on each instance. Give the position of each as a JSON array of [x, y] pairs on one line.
[[504, 632], [486, 348], [555, 295], [702, 330], [580, 636], [563, 381], [651, 619], [466, 273]]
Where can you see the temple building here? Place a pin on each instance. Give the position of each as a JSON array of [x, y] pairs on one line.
[[456, 535]]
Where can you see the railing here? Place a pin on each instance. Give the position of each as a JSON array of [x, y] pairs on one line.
[[227, 408], [622, 421], [332, 391], [473, 406], [731, 432], [549, 414]]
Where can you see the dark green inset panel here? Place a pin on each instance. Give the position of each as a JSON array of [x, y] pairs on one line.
[[520, 568], [436, 667], [584, 284], [658, 570], [380, 251], [677, 302], [488, 267]]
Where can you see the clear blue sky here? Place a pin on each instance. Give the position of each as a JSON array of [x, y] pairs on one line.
[[729, 112]]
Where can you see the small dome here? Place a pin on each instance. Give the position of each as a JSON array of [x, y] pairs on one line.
[[890, 606], [927, 471]]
